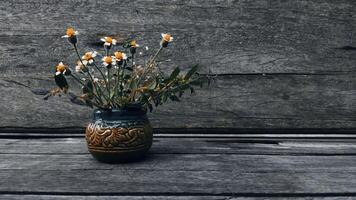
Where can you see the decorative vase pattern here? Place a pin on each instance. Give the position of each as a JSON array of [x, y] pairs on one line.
[[119, 135]]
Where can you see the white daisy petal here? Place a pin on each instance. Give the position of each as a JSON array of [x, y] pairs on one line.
[[58, 73], [94, 54], [107, 44], [91, 61], [162, 34], [65, 36], [102, 39]]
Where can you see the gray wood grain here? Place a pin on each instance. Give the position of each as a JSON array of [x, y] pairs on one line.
[[232, 36], [271, 101], [173, 197], [179, 146], [178, 174], [213, 170], [304, 47]]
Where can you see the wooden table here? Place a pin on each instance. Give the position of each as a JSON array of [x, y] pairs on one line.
[[38, 166]]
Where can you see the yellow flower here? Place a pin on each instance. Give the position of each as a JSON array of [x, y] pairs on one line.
[[60, 68], [108, 41], [166, 39], [70, 33], [134, 44], [108, 61], [89, 57], [119, 56]]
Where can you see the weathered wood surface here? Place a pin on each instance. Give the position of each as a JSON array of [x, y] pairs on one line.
[[247, 102], [305, 48], [178, 168]]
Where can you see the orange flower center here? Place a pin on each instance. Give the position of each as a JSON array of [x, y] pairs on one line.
[[70, 32], [118, 55], [108, 59], [60, 68], [133, 43], [88, 56], [167, 37], [109, 39]]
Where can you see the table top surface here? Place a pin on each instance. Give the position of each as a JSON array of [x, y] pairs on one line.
[[181, 167]]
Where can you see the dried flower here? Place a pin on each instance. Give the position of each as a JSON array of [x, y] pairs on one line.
[[71, 34], [59, 78], [80, 67], [108, 61], [108, 41], [62, 69], [89, 57], [119, 56], [133, 46], [166, 39]]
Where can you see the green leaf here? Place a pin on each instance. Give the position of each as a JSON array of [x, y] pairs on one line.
[[88, 87], [152, 85], [133, 84], [192, 71], [174, 74]]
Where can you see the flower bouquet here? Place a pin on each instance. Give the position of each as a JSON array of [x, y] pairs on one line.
[[121, 90]]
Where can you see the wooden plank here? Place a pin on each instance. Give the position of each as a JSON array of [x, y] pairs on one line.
[[46, 171], [304, 47], [174, 197], [179, 146], [93, 197], [221, 163], [116, 180], [230, 36], [232, 101]]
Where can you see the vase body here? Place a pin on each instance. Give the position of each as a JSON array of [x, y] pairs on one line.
[[120, 135]]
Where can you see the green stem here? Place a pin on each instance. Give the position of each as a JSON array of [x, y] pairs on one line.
[[80, 82], [109, 86], [149, 63], [104, 78], [91, 78]]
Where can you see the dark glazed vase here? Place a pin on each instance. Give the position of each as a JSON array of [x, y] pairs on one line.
[[119, 135]]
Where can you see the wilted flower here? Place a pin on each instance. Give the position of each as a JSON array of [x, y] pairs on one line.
[[62, 69], [166, 39], [71, 34], [108, 41], [133, 46], [89, 57], [79, 67], [108, 61], [119, 56], [59, 78]]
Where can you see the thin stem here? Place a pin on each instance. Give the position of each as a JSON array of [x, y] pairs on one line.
[[149, 64], [104, 78], [80, 82], [92, 79], [109, 86]]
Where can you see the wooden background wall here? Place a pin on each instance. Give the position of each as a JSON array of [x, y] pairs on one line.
[[281, 63]]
